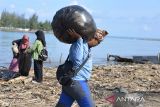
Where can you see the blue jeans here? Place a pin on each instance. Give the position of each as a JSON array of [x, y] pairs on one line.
[[79, 91]]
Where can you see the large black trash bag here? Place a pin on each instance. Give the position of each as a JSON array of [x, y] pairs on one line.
[[74, 17]]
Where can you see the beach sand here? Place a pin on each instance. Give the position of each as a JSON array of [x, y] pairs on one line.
[[142, 78]]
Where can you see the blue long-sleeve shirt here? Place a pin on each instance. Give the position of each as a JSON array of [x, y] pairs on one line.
[[78, 53]]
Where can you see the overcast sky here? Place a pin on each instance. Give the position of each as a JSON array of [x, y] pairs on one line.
[[131, 18]]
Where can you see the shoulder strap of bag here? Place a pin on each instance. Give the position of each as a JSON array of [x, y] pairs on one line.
[[77, 70], [67, 59]]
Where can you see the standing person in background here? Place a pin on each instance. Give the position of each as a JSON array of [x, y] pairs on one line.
[[80, 90], [20, 47], [38, 45]]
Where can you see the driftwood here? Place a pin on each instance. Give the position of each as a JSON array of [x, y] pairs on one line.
[[119, 59], [135, 59]]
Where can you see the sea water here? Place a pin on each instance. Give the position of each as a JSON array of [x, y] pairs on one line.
[[58, 51]]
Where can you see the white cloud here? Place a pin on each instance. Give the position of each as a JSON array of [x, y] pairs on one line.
[[73, 2], [30, 10], [12, 6], [147, 28]]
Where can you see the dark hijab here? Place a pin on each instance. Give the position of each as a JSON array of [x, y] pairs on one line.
[[41, 37]]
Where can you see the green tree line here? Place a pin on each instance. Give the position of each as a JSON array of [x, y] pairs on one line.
[[14, 20]]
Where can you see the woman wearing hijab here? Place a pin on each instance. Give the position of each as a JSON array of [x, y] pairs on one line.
[[38, 45], [24, 58]]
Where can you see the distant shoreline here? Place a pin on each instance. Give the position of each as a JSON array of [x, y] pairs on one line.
[[135, 38], [12, 29]]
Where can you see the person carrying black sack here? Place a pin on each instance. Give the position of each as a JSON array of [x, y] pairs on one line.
[[36, 49], [79, 90]]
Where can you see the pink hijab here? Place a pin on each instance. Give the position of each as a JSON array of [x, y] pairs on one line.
[[25, 42]]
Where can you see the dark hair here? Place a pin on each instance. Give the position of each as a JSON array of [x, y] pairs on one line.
[[41, 37]]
